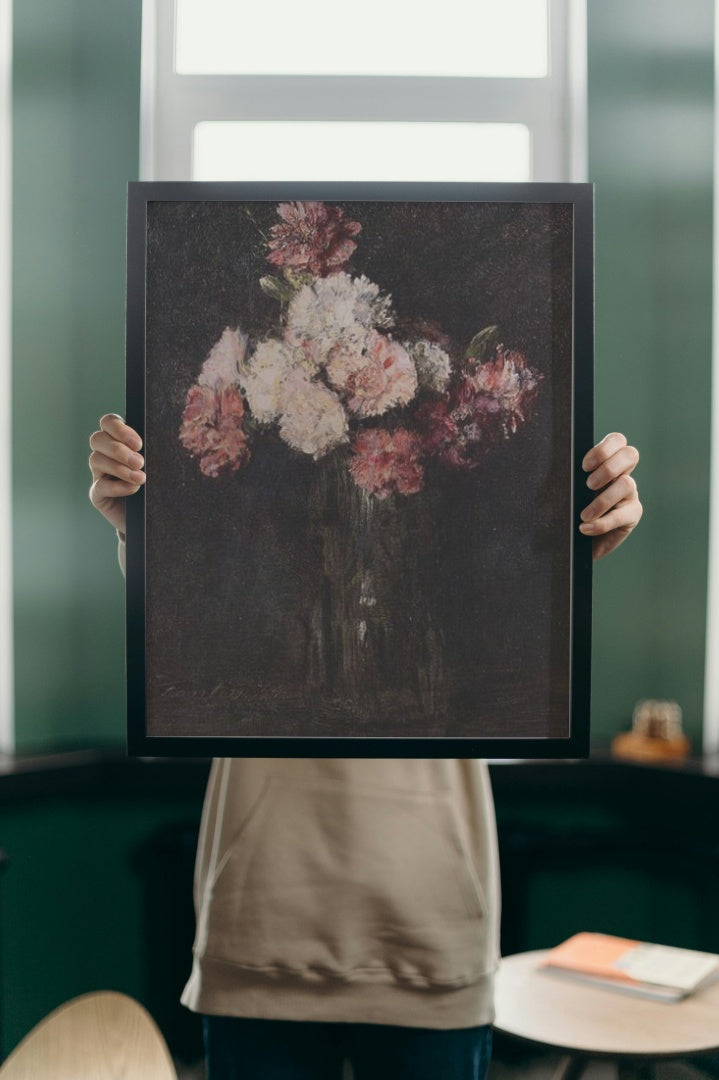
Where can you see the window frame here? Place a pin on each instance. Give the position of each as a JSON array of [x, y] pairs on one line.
[[710, 727], [7, 719], [552, 107]]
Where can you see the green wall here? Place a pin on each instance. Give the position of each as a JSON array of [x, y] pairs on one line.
[[650, 156], [74, 898], [76, 88], [76, 82], [75, 146], [93, 897]]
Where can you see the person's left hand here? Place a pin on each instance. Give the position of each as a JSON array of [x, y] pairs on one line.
[[616, 510]]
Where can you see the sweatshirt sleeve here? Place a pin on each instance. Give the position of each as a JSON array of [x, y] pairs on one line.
[[121, 550]]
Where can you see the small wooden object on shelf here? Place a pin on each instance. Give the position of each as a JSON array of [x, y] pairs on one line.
[[656, 733]]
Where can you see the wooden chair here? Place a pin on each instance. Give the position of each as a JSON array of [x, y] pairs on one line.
[[99, 1036]]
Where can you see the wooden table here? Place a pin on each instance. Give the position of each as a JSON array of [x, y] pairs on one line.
[[588, 1022]]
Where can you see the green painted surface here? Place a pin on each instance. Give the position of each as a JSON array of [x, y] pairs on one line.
[[610, 860], [73, 902], [75, 146], [79, 911], [76, 88], [70, 904], [650, 156]]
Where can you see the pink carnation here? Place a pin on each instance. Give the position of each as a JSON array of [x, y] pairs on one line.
[[313, 237], [387, 461], [375, 379], [212, 428], [504, 387]]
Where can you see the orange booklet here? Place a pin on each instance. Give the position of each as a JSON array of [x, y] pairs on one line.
[[661, 972]]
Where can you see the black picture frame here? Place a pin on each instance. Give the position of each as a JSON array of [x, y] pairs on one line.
[[184, 241]]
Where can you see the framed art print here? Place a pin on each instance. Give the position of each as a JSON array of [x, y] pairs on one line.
[[364, 409]]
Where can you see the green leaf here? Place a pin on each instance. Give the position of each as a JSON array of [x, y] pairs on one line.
[[297, 278], [277, 289], [483, 344]]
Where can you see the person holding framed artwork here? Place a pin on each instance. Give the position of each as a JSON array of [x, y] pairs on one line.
[[349, 908]]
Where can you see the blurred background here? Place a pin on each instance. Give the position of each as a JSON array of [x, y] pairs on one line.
[[94, 890]]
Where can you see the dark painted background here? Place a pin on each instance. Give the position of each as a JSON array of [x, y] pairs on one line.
[[235, 563]]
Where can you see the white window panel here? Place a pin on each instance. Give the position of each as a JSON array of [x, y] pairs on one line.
[[710, 731], [176, 105], [356, 150], [318, 37]]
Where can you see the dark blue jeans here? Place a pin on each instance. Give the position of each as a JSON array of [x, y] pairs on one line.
[[238, 1049]]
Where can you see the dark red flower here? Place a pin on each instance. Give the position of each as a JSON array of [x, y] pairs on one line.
[[439, 432], [312, 236], [504, 387], [387, 461], [212, 428], [487, 404]]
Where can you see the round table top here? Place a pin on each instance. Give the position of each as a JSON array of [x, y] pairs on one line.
[[570, 1015]]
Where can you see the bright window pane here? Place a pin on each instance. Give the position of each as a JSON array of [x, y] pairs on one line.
[[503, 38], [317, 150]]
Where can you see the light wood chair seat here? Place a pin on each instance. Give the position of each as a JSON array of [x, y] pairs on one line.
[[99, 1036]]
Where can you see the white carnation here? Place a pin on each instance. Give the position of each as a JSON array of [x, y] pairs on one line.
[[313, 420], [337, 310], [225, 359], [433, 365], [264, 379]]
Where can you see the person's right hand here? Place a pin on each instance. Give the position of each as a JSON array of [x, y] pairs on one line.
[[116, 468]]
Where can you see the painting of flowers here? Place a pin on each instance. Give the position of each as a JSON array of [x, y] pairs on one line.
[[361, 412]]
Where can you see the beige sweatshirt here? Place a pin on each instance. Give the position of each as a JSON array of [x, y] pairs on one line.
[[347, 890]]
